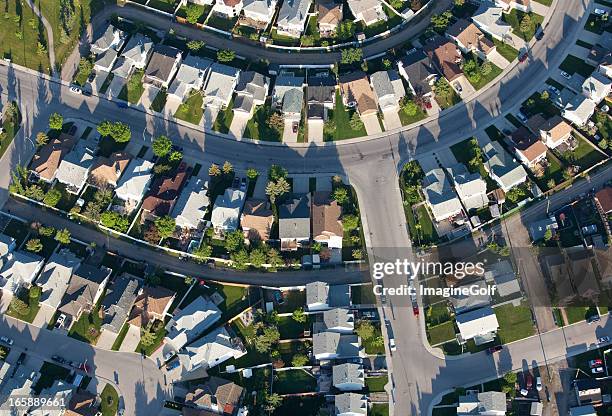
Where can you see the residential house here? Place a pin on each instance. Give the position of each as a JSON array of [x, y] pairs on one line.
[[479, 324], [466, 302], [320, 296], [73, 170], [112, 38], [220, 86], [106, 171], [597, 87], [59, 392], [333, 345], [388, 89], [285, 82], [439, 195], [118, 302], [191, 322], [490, 403], [163, 65], [554, 132], [192, 204], [579, 110], [348, 377], [470, 187], [470, 39], [321, 98], [538, 229], [502, 168], [152, 304], [488, 18], [351, 404], [605, 65], [329, 16], [215, 395], [339, 320], [357, 92], [251, 91], [82, 403], [18, 270], [586, 410], [135, 181], [293, 101], [105, 61], [86, 287], [294, 222], [446, 57], [326, 220], [55, 277], [211, 350], [417, 70], [226, 211], [190, 76], [292, 17], [527, 147], [603, 198], [48, 157], [597, 55], [367, 11], [228, 9], [7, 245], [135, 55], [259, 13], [502, 275], [164, 192], [588, 391], [256, 220], [507, 5]]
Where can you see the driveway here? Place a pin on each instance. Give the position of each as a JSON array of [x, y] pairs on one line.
[[371, 123], [149, 94], [391, 119], [239, 123], [315, 132], [106, 340], [131, 340], [210, 115], [498, 60], [44, 316], [115, 87], [97, 82], [288, 135], [466, 88], [301, 183], [172, 104]]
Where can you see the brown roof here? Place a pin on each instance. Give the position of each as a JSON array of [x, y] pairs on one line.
[[528, 144], [231, 3], [604, 197], [447, 58], [48, 158], [82, 403], [227, 394], [330, 13], [150, 305], [187, 411], [258, 218], [164, 192], [470, 36], [356, 87], [556, 127], [107, 170], [325, 216]]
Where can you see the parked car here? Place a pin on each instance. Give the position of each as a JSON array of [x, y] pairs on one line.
[[603, 340], [392, 344], [528, 380], [597, 370], [458, 87], [539, 34], [243, 184], [593, 319], [278, 298], [524, 392], [168, 355], [415, 310], [595, 363], [605, 108], [235, 183], [75, 90], [599, 12], [295, 126], [523, 57], [60, 321], [565, 75], [539, 383], [554, 90], [6, 340], [58, 359], [172, 365], [522, 117], [495, 349]]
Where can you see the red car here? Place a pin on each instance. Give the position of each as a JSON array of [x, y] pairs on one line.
[[494, 349], [415, 310], [528, 380], [523, 57]]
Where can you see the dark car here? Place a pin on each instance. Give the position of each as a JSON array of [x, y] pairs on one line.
[[593, 319], [523, 57], [528, 380], [415, 310], [58, 359], [539, 33], [172, 365], [121, 104], [21, 359], [494, 349]]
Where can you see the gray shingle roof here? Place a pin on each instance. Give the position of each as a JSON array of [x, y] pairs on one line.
[[347, 373], [294, 217], [118, 303], [293, 101]]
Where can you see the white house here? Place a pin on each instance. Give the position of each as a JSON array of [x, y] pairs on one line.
[[112, 38], [348, 377], [19, 269], [292, 17], [55, 277], [479, 324], [507, 5], [388, 88], [191, 322], [339, 320], [190, 76], [597, 87], [192, 204], [226, 211], [7, 244], [219, 88], [351, 404], [260, 11], [328, 345], [135, 181], [502, 168], [105, 60], [367, 11], [211, 350], [73, 170], [138, 51], [554, 132], [439, 195], [579, 110], [228, 8], [470, 187], [489, 403], [488, 18]]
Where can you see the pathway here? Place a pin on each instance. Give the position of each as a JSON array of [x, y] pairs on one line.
[[49, 30]]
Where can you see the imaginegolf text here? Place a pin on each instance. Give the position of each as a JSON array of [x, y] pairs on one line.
[[460, 291]]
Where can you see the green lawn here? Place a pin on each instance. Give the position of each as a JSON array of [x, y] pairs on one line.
[[376, 383], [515, 322], [485, 79], [82, 75], [159, 101], [224, 118], [191, 110], [11, 127], [437, 314], [584, 155], [595, 24], [290, 329], [441, 333], [120, 337], [221, 22], [363, 295], [576, 313], [410, 119], [87, 328], [494, 133], [257, 127], [370, 346], [505, 50], [106, 83], [514, 18], [32, 310], [447, 100], [294, 381], [283, 40], [340, 117], [109, 401], [573, 65], [133, 89], [379, 409], [151, 348], [554, 171], [301, 406], [427, 233], [544, 2]]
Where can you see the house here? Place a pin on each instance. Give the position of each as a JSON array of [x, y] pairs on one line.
[[321, 98], [554, 131], [191, 322], [112, 38], [388, 89], [285, 82], [294, 222], [105, 61], [417, 70], [227, 8], [490, 403], [597, 55], [211, 350], [339, 320], [73, 170], [470, 187], [256, 220], [357, 92], [7, 245], [48, 157], [251, 91], [226, 211], [220, 85], [164, 192], [216, 395], [163, 65], [507, 5], [151, 304], [19, 269], [82, 403], [597, 87], [537, 229], [466, 302], [579, 110], [59, 391], [470, 39], [605, 65], [502, 275], [326, 223], [333, 345], [488, 18], [137, 51], [367, 11], [587, 410], [259, 13], [320, 296], [293, 101], [86, 287], [351, 404], [190, 76], [135, 181], [348, 377], [527, 147], [329, 16], [55, 277], [502, 168], [291, 18], [106, 171], [478, 324], [439, 195], [446, 57], [588, 391], [118, 302], [603, 198], [192, 204]]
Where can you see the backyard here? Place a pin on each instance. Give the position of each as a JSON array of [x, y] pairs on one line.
[[224, 118], [294, 381], [514, 19]]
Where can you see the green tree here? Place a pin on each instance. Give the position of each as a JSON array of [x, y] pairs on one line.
[[365, 330], [275, 189], [34, 294], [195, 45], [56, 121], [41, 138], [175, 156], [114, 220], [227, 168], [240, 259], [350, 222], [165, 226], [357, 254], [203, 252], [193, 12], [35, 192], [121, 132], [273, 401], [274, 258], [548, 234], [214, 170], [410, 108], [299, 316], [276, 122], [62, 236], [105, 128], [268, 337], [234, 241], [355, 122], [544, 95], [441, 21], [53, 197], [340, 195], [34, 245], [225, 55], [526, 25], [277, 171], [257, 257], [351, 55], [252, 173], [46, 231], [189, 280], [162, 145], [299, 360], [346, 30]]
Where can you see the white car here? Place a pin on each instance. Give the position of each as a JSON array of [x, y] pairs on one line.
[[392, 344], [599, 12], [603, 340], [458, 87], [6, 340], [524, 392], [522, 117], [75, 90], [539, 383], [565, 75], [597, 370], [60, 321]]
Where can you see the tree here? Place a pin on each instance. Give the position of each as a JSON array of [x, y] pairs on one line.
[[121, 132], [568, 172], [202, 252], [442, 87], [175, 156], [151, 235], [273, 401], [409, 107], [252, 173], [162, 145], [299, 316], [257, 257], [350, 222], [416, 5], [195, 45], [441, 21], [62, 236], [340, 195], [225, 55], [275, 121], [214, 170], [19, 306], [526, 25], [548, 234], [357, 254], [346, 30], [105, 128], [34, 294], [355, 122], [41, 49], [227, 168], [46, 231], [471, 69], [387, 63], [275, 189], [35, 192], [193, 12], [189, 280], [268, 337], [365, 330], [486, 68], [299, 360], [165, 226], [277, 171], [234, 241], [114, 220], [550, 183], [34, 245], [544, 95], [53, 197], [274, 258], [41, 138], [153, 279], [240, 259], [351, 55], [56, 121]]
